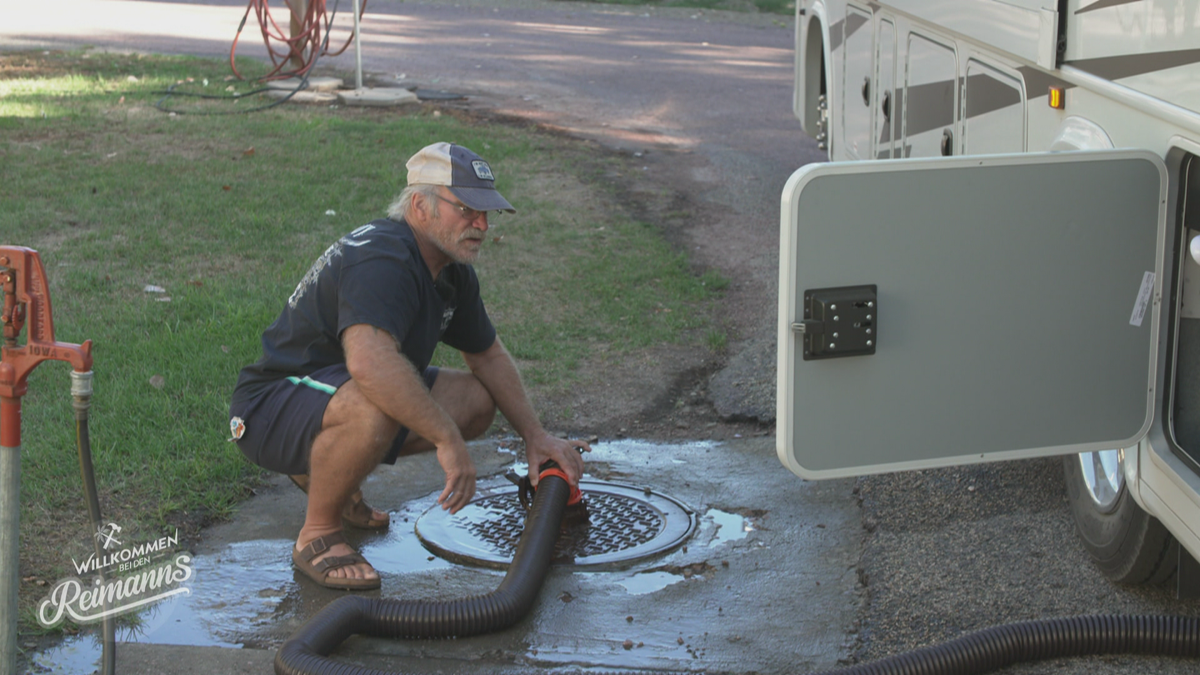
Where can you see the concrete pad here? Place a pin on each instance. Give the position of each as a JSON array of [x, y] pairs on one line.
[[376, 97], [139, 659], [314, 84], [768, 582], [304, 96]]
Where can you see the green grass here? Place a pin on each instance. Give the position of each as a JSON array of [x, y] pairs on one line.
[[226, 213]]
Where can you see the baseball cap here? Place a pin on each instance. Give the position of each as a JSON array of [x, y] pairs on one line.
[[462, 171]]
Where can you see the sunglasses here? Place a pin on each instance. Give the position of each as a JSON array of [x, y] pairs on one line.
[[466, 211]]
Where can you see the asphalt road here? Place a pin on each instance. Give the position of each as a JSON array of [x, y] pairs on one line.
[[706, 97]]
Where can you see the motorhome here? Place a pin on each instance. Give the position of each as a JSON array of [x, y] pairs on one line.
[[1001, 259]]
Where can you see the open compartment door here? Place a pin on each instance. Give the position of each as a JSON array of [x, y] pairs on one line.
[[935, 312]]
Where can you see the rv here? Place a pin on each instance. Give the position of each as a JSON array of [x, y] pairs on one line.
[[1001, 259]]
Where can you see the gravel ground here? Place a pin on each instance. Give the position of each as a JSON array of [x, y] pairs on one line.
[[952, 551]]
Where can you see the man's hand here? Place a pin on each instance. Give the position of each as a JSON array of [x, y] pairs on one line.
[[564, 453], [460, 476]]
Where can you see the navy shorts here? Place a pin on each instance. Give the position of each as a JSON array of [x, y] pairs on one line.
[[279, 425]]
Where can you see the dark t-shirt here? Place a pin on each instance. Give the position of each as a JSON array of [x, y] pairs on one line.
[[375, 275]]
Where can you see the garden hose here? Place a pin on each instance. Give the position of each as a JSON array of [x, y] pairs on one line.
[[303, 73], [307, 651], [81, 401], [308, 42]]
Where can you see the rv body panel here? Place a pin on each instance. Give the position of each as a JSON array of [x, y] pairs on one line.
[[977, 77], [1150, 46]]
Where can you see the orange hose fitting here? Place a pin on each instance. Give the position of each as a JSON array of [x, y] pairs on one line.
[[576, 495]]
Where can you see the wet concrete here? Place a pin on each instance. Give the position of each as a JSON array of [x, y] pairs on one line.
[[766, 584]]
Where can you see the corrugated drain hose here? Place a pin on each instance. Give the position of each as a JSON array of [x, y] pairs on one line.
[[974, 654], [307, 651], [1000, 646]]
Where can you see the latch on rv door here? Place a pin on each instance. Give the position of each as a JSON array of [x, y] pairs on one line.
[[839, 322]]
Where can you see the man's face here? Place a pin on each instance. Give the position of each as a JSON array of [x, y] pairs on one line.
[[457, 230]]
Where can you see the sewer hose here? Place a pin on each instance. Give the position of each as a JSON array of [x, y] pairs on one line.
[[993, 648], [307, 651], [974, 654]]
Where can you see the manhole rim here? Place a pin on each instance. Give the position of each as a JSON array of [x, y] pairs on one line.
[[602, 562]]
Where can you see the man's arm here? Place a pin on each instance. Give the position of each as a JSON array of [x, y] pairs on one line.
[[495, 368], [389, 380]]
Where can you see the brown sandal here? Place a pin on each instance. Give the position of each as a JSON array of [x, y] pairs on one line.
[[356, 512], [319, 571]]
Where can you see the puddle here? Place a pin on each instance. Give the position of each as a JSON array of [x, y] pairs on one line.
[[729, 527], [226, 603], [74, 655], [649, 582], [645, 452], [400, 551]]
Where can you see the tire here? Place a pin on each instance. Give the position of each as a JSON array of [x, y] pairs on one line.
[[1128, 545]]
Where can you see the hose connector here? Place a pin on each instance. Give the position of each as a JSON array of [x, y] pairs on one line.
[[81, 393]]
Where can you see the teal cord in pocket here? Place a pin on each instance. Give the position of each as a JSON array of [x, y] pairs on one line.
[[309, 382]]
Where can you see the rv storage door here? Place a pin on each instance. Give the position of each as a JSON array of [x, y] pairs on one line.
[[947, 311]]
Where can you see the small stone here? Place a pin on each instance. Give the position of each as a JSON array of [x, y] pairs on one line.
[[629, 619], [158, 381], [628, 644]]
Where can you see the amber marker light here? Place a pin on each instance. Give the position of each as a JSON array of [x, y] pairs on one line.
[[1057, 101]]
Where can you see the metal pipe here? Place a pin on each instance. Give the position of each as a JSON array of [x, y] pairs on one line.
[[10, 529], [357, 50]]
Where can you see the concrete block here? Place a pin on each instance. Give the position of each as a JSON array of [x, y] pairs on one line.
[[305, 96], [314, 84]]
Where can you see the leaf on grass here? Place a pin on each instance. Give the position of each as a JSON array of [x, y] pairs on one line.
[[248, 152], [150, 288], [227, 187]]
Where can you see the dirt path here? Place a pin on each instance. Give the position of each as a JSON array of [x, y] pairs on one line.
[[700, 101]]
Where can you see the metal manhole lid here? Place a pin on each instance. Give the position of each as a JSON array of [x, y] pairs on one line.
[[626, 524]]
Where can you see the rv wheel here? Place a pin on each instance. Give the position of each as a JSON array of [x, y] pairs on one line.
[[1127, 544]]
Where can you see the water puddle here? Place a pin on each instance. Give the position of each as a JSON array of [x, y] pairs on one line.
[[645, 583], [729, 527], [232, 594], [400, 551]]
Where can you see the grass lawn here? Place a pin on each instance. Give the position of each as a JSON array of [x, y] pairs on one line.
[[224, 214]]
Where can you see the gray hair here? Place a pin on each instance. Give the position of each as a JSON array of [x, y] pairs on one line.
[[402, 205]]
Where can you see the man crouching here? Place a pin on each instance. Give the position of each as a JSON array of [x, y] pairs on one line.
[[344, 382]]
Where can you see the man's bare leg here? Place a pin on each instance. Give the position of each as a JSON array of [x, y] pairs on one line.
[[354, 439], [464, 398]]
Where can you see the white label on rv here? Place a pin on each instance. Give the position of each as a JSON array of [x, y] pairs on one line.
[[1143, 299]]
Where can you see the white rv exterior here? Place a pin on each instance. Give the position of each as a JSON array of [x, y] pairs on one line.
[[888, 84]]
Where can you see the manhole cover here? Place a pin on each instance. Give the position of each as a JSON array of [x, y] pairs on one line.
[[625, 524]]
